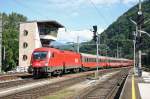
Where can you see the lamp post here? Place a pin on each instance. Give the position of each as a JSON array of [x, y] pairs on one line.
[[78, 44]]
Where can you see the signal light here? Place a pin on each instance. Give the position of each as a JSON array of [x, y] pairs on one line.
[[95, 28], [94, 33], [138, 43], [140, 19]]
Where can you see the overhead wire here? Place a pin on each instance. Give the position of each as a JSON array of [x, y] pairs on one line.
[[98, 11]]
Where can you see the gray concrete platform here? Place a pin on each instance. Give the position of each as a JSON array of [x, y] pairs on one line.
[[136, 87]]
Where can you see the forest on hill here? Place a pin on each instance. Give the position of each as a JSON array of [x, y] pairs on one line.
[[119, 35]]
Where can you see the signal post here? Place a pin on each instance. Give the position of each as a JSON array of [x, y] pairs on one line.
[[96, 39]]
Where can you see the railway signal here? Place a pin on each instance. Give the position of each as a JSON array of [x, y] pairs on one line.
[[95, 33], [96, 39], [138, 43], [140, 19]]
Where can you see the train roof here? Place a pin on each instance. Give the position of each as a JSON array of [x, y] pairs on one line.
[[83, 54], [53, 50], [45, 49], [103, 57]]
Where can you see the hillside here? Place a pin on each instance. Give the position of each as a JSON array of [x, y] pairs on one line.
[[120, 33]]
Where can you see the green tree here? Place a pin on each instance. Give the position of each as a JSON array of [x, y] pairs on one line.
[[10, 39]]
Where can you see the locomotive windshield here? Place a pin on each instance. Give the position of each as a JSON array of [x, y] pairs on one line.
[[40, 55]]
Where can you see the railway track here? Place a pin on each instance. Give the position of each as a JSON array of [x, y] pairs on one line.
[[46, 89], [9, 84], [109, 89], [9, 77]]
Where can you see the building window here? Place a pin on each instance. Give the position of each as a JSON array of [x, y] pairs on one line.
[[48, 31], [25, 57], [25, 45], [25, 33]]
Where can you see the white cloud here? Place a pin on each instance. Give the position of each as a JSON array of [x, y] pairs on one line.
[[71, 36], [100, 30]]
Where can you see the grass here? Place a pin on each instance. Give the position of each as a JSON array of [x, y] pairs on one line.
[[62, 94]]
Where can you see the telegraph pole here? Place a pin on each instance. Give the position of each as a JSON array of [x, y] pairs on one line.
[[78, 44], [117, 51], [1, 25]]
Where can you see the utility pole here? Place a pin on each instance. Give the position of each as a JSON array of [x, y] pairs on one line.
[[78, 44], [4, 53], [117, 51], [1, 26]]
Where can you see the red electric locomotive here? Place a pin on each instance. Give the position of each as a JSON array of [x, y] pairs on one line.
[[45, 61]]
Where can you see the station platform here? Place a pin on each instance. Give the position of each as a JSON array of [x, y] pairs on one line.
[[136, 87]]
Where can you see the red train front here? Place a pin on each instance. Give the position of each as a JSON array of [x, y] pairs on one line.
[[46, 61]]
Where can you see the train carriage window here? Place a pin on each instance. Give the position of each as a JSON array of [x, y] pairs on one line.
[[82, 59], [87, 59], [92, 60], [40, 55]]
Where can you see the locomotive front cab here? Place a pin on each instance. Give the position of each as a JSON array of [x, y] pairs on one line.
[[40, 61]]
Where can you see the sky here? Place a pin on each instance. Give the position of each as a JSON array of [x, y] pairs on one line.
[[75, 15]]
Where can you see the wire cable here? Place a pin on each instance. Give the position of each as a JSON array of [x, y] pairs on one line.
[[98, 11]]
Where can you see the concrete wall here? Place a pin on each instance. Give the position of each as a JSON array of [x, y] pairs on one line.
[[32, 39]]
